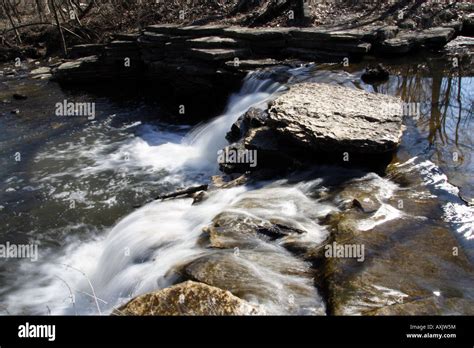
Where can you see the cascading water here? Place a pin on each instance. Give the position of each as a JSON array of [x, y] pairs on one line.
[[144, 250]]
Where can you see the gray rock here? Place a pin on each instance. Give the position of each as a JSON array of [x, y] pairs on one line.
[[214, 42], [408, 24], [258, 34], [217, 54], [41, 71], [328, 118], [387, 32], [261, 276], [251, 119], [331, 44], [460, 44], [404, 42], [162, 28], [86, 50], [200, 30], [188, 298], [436, 37]]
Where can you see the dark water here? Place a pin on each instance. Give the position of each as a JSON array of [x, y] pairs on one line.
[[77, 178]]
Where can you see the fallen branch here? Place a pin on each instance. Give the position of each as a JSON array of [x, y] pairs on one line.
[[187, 191]]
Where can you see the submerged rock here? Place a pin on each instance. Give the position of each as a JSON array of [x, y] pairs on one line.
[[273, 279], [188, 298], [397, 260], [376, 74]]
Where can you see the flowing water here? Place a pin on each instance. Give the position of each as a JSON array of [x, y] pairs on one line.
[[74, 188]]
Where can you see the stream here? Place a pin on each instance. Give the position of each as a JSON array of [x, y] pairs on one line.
[[75, 186]]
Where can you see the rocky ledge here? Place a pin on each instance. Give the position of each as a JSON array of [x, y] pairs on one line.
[[312, 120], [188, 62]]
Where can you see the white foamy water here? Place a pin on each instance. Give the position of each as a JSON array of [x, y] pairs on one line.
[[144, 250], [456, 213]]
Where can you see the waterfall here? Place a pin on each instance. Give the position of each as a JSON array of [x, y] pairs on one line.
[[144, 251]]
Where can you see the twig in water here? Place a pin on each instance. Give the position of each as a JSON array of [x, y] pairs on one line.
[[70, 293], [90, 284]]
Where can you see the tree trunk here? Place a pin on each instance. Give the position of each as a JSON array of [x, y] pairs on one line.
[[60, 30]]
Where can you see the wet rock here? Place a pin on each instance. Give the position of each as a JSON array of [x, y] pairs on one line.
[[428, 306], [366, 204], [232, 229], [229, 180], [199, 197], [376, 74], [329, 118], [253, 118], [188, 298], [407, 258], [278, 282]]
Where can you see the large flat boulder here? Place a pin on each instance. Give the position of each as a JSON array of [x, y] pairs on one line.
[[188, 298], [406, 41], [329, 118]]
